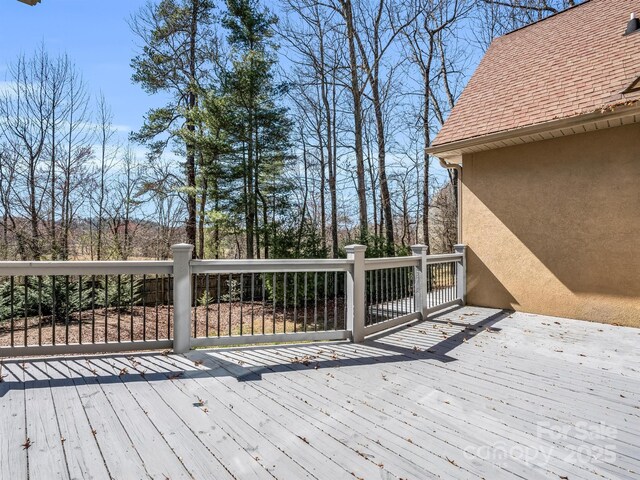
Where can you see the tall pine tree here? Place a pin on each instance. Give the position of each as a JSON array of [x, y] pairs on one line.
[[175, 36], [259, 127]]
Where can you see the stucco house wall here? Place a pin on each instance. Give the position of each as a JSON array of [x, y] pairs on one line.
[[553, 227]]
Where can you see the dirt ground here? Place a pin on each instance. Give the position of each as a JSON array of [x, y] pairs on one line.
[[151, 323]]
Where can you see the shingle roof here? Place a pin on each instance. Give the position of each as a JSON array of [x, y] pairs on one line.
[[572, 63]]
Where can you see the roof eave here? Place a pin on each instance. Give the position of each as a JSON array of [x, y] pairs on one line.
[[612, 116]]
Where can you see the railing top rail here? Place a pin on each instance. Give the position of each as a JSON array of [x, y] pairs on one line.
[[270, 266], [444, 258], [391, 262], [138, 267]]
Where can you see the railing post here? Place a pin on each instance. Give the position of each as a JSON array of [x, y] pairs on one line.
[[420, 281], [356, 292], [461, 273], [182, 254]]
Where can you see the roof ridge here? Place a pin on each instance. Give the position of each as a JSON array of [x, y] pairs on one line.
[[553, 15]]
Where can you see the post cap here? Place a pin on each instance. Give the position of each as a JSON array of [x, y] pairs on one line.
[[419, 248], [459, 247], [355, 248], [182, 247]]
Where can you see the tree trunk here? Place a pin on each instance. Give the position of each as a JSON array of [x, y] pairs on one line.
[[425, 178], [33, 211], [323, 187], [347, 14], [191, 103], [203, 207], [385, 197], [52, 228], [332, 132]]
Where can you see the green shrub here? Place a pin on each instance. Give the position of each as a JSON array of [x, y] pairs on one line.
[[62, 295], [297, 291]]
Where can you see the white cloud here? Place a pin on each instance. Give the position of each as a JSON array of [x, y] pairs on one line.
[[7, 88]]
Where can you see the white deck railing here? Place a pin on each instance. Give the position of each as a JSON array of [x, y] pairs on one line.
[[84, 307]]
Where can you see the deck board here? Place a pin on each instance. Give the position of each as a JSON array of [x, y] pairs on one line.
[[120, 455], [162, 410], [211, 426], [428, 409], [13, 434], [373, 411], [83, 457], [159, 458], [288, 432], [46, 454], [445, 398]]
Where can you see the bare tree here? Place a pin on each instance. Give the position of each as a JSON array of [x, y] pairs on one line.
[[75, 156], [25, 120], [315, 36], [57, 95], [107, 153], [345, 8], [444, 219], [161, 185], [7, 177], [423, 41], [124, 204], [497, 17], [380, 23]]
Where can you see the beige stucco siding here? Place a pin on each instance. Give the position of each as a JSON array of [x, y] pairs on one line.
[[553, 227]]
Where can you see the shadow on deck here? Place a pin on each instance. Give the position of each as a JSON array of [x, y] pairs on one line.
[[424, 345]]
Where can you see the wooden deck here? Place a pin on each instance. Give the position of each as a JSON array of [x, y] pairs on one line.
[[514, 396]]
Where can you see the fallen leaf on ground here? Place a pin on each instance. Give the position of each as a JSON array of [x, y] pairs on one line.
[[306, 360]]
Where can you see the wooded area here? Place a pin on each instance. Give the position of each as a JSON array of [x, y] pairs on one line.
[[290, 130]]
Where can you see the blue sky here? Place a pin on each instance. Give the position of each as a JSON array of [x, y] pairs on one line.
[[97, 38]]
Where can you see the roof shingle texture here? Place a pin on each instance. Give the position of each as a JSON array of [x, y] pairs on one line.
[[573, 63]]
